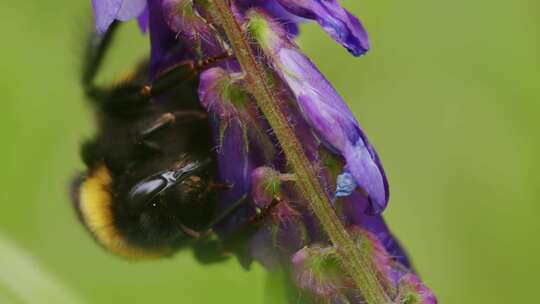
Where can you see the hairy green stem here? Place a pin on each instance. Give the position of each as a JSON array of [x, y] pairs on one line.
[[357, 263]]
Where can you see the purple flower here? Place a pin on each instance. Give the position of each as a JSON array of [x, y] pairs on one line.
[[325, 111], [183, 18], [335, 20], [266, 184], [106, 11], [317, 270]]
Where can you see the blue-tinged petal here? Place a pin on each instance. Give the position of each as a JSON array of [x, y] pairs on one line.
[[345, 184], [106, 11], [324, 110], [335, 20]]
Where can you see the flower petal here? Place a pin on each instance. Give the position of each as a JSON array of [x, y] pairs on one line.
[[277, 11], [234, 169], [335, 20], [166, 49], [143, 20], [322, 107], [130, 9], [106, 11]]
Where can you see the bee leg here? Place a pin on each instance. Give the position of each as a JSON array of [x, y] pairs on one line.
[[151, 147], [233, 207], [192, 233], [209, 251], [218, 186], [179, 73], [168, 119]]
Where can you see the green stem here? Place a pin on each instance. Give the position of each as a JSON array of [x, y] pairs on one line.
[[355, 262]]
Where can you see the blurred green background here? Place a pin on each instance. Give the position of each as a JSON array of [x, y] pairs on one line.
[[449, 94]]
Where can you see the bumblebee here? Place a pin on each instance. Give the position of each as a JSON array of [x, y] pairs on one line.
[[149, 189]]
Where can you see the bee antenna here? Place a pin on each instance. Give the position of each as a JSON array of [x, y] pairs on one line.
[[192, 167]]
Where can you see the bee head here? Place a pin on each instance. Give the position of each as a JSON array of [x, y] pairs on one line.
[[148, 219]]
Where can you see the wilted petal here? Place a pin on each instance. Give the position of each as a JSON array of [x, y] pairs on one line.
[[323, 109], [335, 20], [106, 11]]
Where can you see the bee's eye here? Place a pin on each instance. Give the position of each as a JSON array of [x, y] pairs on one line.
[[146, 191]]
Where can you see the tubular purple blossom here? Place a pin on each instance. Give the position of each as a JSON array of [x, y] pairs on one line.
[[324, 110], [220, 93], [335, 20]]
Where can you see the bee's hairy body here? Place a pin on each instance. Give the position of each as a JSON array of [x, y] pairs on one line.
[[150, 168]]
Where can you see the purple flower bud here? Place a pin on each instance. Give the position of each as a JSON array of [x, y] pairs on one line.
[[221, 92], [183, 18], [369, 243], [393, 274], [335, 20], [266, 184], [316, 269], [106, 11], [324, 110], [413, 291], [353, 208]]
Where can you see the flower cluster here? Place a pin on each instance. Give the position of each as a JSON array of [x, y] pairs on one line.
[[249, 153]]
